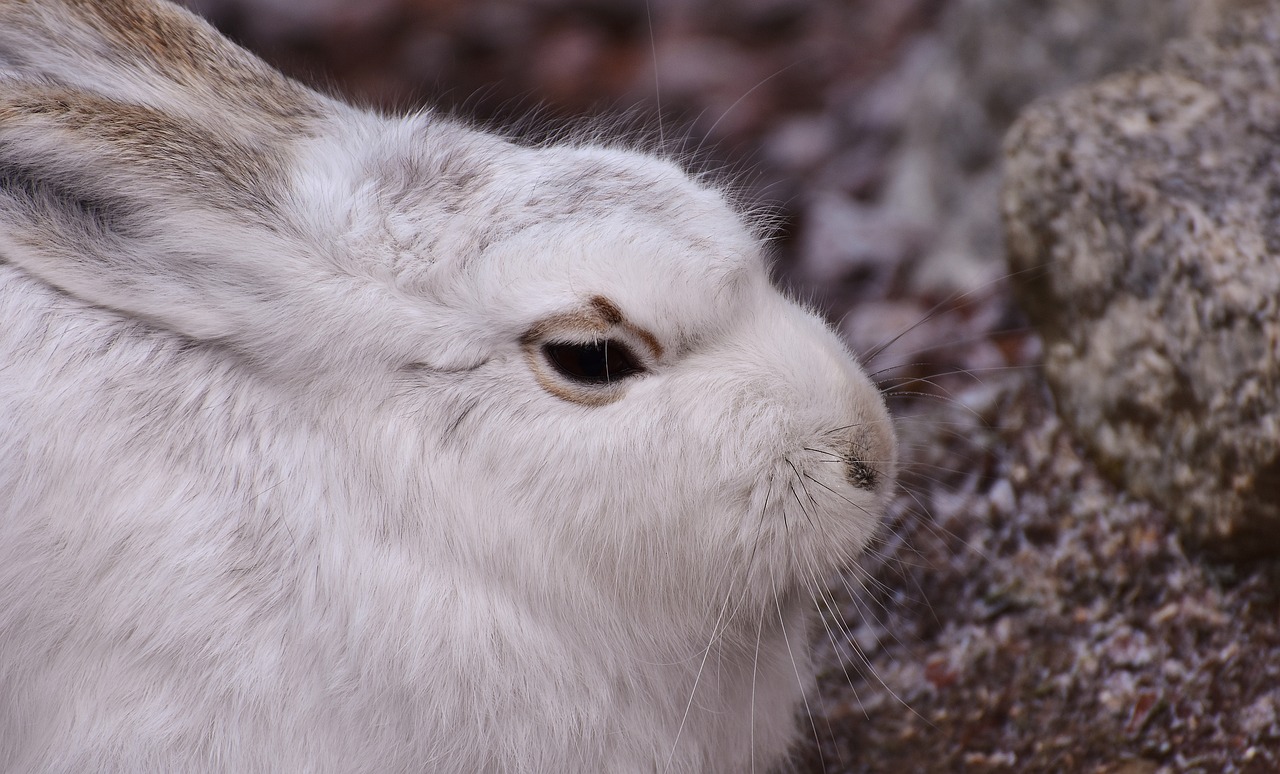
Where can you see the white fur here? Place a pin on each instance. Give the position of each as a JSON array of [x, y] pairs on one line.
[[282, 490]]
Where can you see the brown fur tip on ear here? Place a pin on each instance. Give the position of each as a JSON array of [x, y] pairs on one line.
[[153, 53], [187, 50], [180, 156]]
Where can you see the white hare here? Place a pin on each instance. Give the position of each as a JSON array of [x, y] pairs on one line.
[[333, 442]]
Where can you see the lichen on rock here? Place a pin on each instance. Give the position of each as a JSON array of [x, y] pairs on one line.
[[1142, 218]]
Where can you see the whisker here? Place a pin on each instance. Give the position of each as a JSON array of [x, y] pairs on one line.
[[940, 306], [711, 132], [967, 372], [939, 348], [782, 625], [755, 669], [657, 80], [941, 531], [870, 669], [796, 495], [837, 494], [865, 661], [715, 632]]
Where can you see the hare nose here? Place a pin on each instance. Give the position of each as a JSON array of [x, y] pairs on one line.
[[860, 473], [869, 458]]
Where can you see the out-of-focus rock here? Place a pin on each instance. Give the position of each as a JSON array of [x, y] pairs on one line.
[[1143, 217], [991, 58]]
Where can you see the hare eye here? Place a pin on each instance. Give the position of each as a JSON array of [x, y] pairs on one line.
[[597, 362]]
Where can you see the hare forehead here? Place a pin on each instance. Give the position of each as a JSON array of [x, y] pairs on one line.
[[456, 214], [596, 180], [669, 287], [559, 204], [632, 210]]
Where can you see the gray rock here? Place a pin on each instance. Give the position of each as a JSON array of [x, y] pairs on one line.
[[1143, 218], [990, 59]]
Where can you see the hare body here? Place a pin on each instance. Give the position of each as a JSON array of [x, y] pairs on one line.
[[310, 462]]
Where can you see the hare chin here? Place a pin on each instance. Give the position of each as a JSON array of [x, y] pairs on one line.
[[319, 453]]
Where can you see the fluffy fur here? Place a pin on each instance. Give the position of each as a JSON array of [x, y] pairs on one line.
[[288, 483]]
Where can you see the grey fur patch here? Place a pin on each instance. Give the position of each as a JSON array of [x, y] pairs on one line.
[[216, 170], [94, 213]]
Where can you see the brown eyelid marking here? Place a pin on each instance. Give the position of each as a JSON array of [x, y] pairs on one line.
[[599, 317], [611, 314], [544, 328], [608, 312]]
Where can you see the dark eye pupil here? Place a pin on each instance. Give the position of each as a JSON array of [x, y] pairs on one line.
[[598, 362]]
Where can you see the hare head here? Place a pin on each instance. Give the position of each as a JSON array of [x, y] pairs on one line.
[[345, 442]]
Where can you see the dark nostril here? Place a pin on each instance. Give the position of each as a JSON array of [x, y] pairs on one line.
[[860, 474]]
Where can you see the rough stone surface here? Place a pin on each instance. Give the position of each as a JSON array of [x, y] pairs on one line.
[[1143, 217]]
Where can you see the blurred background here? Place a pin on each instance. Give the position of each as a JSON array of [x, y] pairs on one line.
[[998, 624]]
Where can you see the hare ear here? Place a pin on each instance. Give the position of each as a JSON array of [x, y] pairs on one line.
[[129, 209], [154, 54], [143, 163]]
